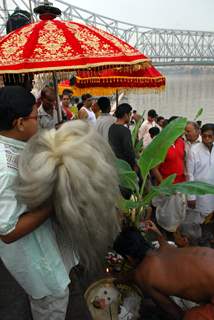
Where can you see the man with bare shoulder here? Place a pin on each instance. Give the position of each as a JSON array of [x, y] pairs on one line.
[[187, 273]]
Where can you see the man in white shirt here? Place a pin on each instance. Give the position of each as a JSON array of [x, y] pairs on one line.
[[143, 132], [105, 120], [192, 135], [200, 167], [28, 242]]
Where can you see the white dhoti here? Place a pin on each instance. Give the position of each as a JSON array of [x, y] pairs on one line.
[[170, 211], [50, 307]]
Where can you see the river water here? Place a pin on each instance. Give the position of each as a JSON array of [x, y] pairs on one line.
[[187, 90]]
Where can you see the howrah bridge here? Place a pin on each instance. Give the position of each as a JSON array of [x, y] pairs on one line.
[[166, 47]]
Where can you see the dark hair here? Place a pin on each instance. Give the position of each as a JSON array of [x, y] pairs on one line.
[[207, 126], [122, 109], [154, 131], [79, 105], [160, 118], [104, 104], [131, 243], [47, 90], [67, 95], [172, 118], [152, 113], [76, 99], [67, 92], [15, 102], [86, 96], [165, 122], [199, 122]]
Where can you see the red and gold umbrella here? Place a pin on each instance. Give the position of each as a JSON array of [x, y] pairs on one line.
[[107, 81], [53, 45], [63, 45]]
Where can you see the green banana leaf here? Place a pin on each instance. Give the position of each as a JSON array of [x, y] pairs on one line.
[[127, 177], [126, 205], [156, 190], [136, 129], [168, 181], [198, 114], [167, 188], [189, 187], [139, 146], [156, 151]]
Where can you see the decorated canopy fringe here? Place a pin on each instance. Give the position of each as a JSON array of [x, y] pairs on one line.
[[105, 82]]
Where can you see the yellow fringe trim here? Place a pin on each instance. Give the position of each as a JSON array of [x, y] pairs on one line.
[[108, 91], [129, 78]]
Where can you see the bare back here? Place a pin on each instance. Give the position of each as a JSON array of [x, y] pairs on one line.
[[186, 272]]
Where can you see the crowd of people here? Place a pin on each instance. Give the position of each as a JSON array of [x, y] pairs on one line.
[[190, 158], [170, 271], [29, 247]]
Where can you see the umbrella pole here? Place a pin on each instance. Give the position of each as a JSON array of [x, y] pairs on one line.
[[58, 108], [5, 10], [117, 98], [31, 11]]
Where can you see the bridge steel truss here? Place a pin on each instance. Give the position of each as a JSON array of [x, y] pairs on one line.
[[163, 46]]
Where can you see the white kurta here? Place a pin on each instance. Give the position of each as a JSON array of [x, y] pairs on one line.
[[143, 132], [189, 145], [200, 167], [46, 120]]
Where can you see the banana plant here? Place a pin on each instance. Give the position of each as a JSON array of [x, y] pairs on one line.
[[198, 114], [138, 145], [152, 156]]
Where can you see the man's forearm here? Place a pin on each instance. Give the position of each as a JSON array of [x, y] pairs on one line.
[[27, 223], [167, 305], [157, 175], [162, 241]]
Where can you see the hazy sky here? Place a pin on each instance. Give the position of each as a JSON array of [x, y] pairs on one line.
[[183, 14]]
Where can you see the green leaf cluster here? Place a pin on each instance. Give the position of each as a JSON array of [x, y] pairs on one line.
[[198, 114], [152, 156], [156, 151]]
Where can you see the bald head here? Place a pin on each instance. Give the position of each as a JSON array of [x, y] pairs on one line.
[[192, 131], [48, 97]]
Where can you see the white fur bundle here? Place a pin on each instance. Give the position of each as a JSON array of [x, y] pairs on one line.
[[74, 168]]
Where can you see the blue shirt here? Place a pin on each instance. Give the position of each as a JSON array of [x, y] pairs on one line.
[[34, 260]]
